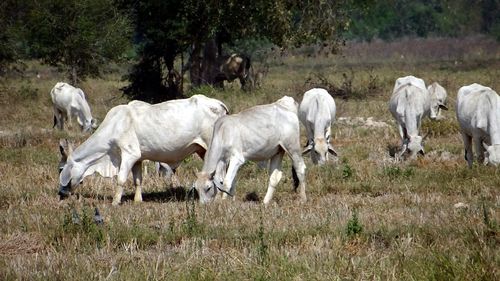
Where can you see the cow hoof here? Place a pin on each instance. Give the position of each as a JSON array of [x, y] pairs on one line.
[[115, 203]]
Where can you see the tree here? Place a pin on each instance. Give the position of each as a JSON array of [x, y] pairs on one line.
[[78, 35], [167, 29], [11, 33]]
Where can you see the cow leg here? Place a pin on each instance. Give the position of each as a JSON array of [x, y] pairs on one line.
[[404, 139], [125, 167], [137, 176], [230, 178], [275, 176], [469, 155], [300, 170], [59, 118]]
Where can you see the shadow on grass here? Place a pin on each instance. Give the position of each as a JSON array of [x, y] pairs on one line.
[[171, 194], [393, 149]]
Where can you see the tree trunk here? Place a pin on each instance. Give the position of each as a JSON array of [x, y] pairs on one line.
[[74, 75], [209, 64], [194, 66]]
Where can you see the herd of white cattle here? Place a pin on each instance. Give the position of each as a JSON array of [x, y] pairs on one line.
[[169, 132]]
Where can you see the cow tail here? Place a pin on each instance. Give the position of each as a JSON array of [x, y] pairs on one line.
[[55, 121], [296, 180]]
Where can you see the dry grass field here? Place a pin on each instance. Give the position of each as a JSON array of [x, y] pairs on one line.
[[367, 217]]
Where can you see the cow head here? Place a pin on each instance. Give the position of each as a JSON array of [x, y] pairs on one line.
[[205, 186], [319, 149], [66, 181], [492, 154], [413, 146], [89, 125], [436, 106], [438, 99]]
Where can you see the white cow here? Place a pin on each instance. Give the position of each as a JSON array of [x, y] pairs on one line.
[[317, 113], [70, 102], [166, 132], [409, 103], [438, 98], [260, 133], [478, 112]]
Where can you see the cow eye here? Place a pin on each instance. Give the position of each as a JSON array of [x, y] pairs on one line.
[[208, 189]]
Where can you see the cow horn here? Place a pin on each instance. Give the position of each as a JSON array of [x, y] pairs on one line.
[[308, 147], [219, 186], [400, 154], [485, 146]]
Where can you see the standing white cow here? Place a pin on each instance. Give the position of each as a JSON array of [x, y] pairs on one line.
[[259, 133], [478, 112], [317, 113], [70, 102], [166, 132], [409, 103]]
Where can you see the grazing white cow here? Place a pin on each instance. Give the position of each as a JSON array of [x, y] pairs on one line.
[[438, 98], [478, 112], [70, 102], [166, 132], [260, 133], [409, 103], [317, 113]]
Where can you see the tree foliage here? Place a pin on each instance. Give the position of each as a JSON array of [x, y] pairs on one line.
[[77, 35], [398, 18], [167, 29], [12, 14]]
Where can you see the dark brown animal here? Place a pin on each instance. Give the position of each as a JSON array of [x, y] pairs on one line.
[[232, 67]]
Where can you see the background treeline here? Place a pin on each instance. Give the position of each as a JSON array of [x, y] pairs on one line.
[[81, 36], [398, 18]]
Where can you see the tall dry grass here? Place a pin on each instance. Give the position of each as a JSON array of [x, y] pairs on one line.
[[367, 217]]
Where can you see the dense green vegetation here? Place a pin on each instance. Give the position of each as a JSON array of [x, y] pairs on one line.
[[83, 36]]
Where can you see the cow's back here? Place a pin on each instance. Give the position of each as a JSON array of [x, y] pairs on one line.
[[409, 100], [315, 101], [477, 108], [409, 80], [259, 128]]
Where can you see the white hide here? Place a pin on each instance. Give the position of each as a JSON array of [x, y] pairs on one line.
[[70, 102], [167, 132], [260, 133], [409, 103], [317, 113], [438, 99], [478, 113]]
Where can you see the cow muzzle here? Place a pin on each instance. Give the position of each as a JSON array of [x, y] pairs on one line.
[[63, 193]]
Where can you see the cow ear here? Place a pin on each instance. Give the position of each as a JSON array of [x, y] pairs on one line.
[[64, 148], [443, 107], [332, 151]]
